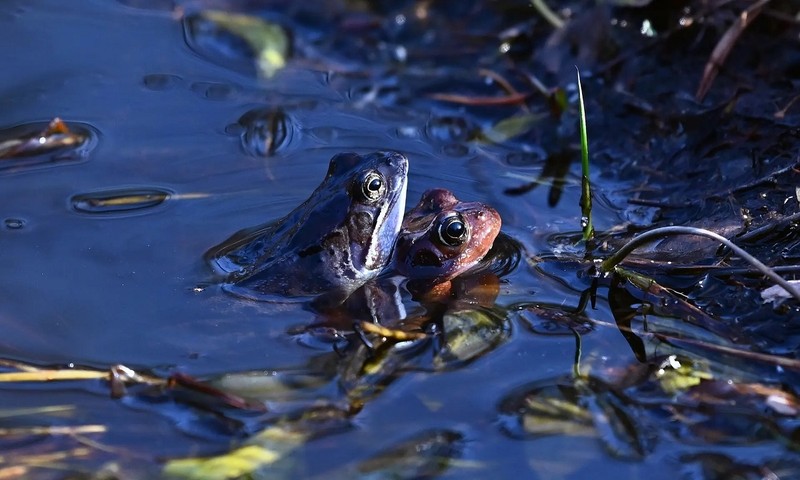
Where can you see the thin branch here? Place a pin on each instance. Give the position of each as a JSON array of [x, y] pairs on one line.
[[660, 233], [725, 45], [513, 99]]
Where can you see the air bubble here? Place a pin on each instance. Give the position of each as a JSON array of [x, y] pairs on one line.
[[14, 223], [265, 131]]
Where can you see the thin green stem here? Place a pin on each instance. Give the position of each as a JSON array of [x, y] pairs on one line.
[[576, 367], [586, 187]]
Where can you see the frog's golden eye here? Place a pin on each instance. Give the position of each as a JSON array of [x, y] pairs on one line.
[[453, 230], [373, 186]]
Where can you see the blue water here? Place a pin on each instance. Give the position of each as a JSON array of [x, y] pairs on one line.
[[130, 287]]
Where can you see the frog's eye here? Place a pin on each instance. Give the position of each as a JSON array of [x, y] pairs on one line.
[[453, 231], [373, 186]]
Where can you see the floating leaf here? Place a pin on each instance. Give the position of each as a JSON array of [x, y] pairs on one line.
[[55, 136], [118, 201], [40, 143]]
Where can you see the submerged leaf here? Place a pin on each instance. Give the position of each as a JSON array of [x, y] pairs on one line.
[[469, 334], [510, 127], [268, 40], [426, 456], [239, 462], [265, 449], [677, 376], [262, 450]]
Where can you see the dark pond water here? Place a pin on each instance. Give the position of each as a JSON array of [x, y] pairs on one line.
[[172, 116]]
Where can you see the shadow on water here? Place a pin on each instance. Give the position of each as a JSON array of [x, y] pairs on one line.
[[183, 122]]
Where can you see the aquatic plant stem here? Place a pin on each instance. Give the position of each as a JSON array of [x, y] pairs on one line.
[[576, 366], [659, 233], [547, 13], [586, 187]]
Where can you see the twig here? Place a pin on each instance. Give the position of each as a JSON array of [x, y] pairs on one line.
[[766, 229], [782, 112], [750, 356], [52, 375], [659, 233], [392, 333], [505, 84], [547, 13], [53, 430], [481, 101], [725, 45]]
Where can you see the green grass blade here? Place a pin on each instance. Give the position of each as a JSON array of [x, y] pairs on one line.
[[586, 188]]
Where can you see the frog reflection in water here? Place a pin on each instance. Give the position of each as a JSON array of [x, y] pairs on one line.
[[338, 239]]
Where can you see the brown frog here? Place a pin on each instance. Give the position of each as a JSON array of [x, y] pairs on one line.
[[443, 237]]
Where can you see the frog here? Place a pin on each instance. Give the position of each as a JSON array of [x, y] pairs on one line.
[[342, 236], [443, 237]]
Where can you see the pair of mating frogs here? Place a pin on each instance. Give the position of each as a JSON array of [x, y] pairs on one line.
[[351, 229]]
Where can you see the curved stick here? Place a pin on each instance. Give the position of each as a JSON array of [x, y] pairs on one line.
[[611, 262]]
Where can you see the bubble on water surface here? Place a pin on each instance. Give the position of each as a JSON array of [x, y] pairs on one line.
[[161, 81], [455, 150], [407, 132], [119, 201], [14, 223], [265, 131], [526, 159], [215, 90], [449, 129]]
